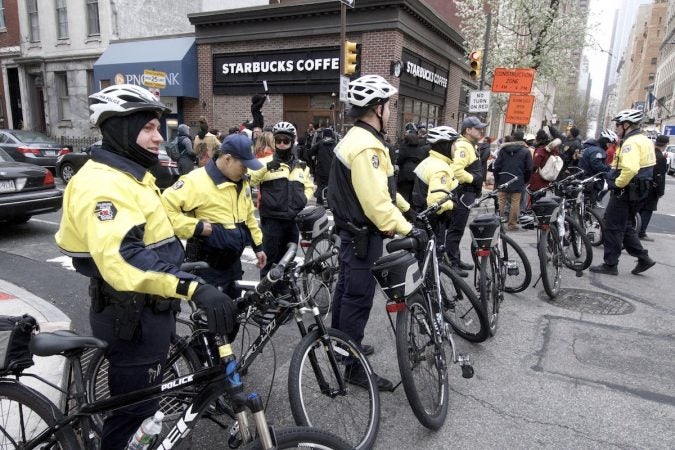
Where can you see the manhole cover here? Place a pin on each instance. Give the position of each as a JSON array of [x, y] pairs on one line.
[[589, 302]]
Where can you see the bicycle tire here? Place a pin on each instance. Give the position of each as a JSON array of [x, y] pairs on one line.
[[487, 288], [550, 262], [461, 307], [417, 350], [578, 252], [513, 283], [354, 415], [304, 438], [322, 285], [96, 381], [594, 227], [36, 413]]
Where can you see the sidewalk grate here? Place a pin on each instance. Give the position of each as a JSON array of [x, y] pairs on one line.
[[591, 302]]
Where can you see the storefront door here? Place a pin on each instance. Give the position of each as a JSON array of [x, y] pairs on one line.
[[303, 109]]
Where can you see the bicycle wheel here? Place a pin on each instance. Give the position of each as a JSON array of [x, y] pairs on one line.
[[25, 413], [488, 290], [422, 363], [322, 285], [594, 226], [182, 360], [315, 396], [518, 269], [461, 308], [577, 249], [304, 438], [550, 260]]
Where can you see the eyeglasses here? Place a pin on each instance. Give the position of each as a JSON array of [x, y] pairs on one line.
[[282, 140]]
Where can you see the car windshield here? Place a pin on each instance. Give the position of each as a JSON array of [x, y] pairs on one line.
[[4, 156], [31, 137]]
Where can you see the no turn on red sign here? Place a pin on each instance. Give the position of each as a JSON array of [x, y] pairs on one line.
[[479, 101]]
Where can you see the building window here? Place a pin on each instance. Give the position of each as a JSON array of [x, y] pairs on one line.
[[61, 20], [91, 89], [33, 22], [2, 14], [652, 76], [653, 61], [62, 100], [93, 27], [416, 111]]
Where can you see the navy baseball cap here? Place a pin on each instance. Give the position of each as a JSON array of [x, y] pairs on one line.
[[239, 146], [472, 122], [662, 139]]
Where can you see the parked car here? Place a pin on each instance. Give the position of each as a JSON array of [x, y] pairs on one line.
[[26, 190], [670, 159], [166, 171], [31, 147]]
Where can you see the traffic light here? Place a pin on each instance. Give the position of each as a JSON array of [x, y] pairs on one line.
[[349, 58], [475, 64]]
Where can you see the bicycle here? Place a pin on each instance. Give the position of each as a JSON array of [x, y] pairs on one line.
[[559, 238], [497, 257], [418, 294], [581, 210], [317, 386], [29, 419], [317, 237]]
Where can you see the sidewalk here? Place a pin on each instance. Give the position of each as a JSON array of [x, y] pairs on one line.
[[15, 301]]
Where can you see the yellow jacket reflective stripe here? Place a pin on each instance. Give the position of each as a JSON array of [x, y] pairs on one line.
[[196, 196], [119, 222], [368, 161], [463, 155], [635, 153], [435, 171]]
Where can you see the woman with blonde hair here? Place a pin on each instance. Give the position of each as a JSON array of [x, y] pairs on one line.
[[264, 145], [205, 143]]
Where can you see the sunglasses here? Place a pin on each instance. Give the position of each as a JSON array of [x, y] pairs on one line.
[[282, 140]]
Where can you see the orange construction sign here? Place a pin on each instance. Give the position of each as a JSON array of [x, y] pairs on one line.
[[519, 109], [513, 81]]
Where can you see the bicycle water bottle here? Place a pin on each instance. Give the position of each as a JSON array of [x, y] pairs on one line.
[[147, 432]]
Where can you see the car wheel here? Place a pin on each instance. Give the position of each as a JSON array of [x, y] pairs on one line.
[[67, 172], [18, 220]]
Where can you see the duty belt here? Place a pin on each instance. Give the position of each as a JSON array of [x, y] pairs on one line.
[[103, 295]]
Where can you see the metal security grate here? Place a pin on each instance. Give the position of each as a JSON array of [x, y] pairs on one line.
[[591, 302]]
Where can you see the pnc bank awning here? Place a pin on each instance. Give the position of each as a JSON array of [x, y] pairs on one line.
[[126, 62]]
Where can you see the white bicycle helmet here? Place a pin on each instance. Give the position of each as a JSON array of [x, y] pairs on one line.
[[369, 90], [630, 116], [122, 100], [284, 128], [609, 135], [441, 133]]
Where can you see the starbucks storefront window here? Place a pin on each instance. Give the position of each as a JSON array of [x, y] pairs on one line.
[[416, 111]]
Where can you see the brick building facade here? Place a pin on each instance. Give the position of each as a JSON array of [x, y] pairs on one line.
[[403, 40]]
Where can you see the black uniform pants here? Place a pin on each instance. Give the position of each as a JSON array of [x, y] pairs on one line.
[[620, 231], [353, 297], [277, 234], [133, 365], [458, 219]]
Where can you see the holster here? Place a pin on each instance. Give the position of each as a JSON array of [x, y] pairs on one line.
[[638, 189], [360, 240]]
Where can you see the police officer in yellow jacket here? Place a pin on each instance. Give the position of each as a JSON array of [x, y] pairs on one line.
[[212, 208], [468, 171], [285, 188], [628, 180], [362, 196], [434, 175], [115, 228]]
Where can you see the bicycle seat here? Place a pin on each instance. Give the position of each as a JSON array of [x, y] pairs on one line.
[[62, 341]]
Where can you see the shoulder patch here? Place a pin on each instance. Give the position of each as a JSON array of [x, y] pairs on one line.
[[178, 184], [105, 211], [376, 161], [625, 149], [462, 154], [444, 179]]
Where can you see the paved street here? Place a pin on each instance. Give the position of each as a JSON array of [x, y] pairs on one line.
[[561, 374]]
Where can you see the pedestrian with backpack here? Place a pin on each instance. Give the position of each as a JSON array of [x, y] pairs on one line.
[[186, 160], [546, 148]]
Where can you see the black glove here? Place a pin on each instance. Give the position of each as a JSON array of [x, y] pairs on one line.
[[219, 309], [273, 165], [410, 215], [420, 236]]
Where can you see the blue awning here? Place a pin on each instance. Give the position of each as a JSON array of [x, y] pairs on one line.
[[126, 62]]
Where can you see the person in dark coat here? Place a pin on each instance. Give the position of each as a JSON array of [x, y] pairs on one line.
[[593, 161], [514, 159], [410, 153], [546, 146], [657, 188], [187, 160], [257, 102], [322, 154], [484, 149], [571, 151]]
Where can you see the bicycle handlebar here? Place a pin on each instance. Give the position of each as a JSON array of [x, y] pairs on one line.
[[431, 209], [277, 271], [315, 264]]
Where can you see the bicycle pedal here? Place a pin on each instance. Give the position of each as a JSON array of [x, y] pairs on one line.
[[467, 372]]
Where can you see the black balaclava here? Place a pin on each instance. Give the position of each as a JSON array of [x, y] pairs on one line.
[[285, 155], [603, 142], [443, 147], [120, 134]]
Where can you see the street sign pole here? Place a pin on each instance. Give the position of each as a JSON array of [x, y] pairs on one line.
[[343, 37]]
